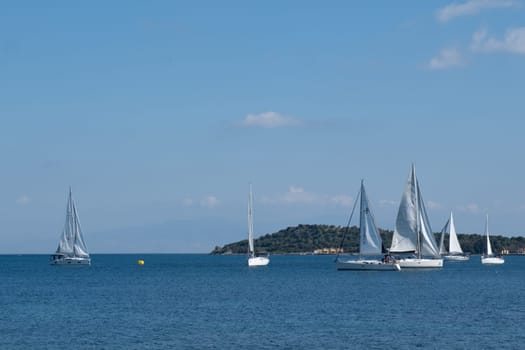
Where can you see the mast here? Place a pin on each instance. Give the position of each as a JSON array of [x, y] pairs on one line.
[[362, 219], [251, 250], [418, 225]]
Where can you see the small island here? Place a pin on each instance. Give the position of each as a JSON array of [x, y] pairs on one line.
[[326, 239]]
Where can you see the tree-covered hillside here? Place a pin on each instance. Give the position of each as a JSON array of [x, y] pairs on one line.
[[309, 238]]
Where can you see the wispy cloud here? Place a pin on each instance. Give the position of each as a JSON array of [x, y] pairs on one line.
[[469, 208], [206, 202], [342, 200], [433, 205], [209, 202], [387, 203], [513, 41], [298, 195], [23, 200], [270, 120], [471, 7], [447, 58]]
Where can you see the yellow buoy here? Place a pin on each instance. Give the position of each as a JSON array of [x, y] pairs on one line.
[[140, 262]]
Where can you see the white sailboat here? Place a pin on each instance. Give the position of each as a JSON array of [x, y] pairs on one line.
[[489, 258], [72, 250], [454, 253], [370, 243], [253, 260], [413, 233]]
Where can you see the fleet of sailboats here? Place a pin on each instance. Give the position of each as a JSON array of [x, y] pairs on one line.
[[413, 242], [412, 233], [370, 242], [71, 250], [489, 258], [253, 260], [454, 253]]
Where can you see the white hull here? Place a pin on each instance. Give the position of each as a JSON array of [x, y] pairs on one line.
[[456, 257], [492, 260], [71, 262], [370, 265], [417, 263], [258, 261]]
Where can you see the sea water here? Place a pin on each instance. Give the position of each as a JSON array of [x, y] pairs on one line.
[[297, 302]]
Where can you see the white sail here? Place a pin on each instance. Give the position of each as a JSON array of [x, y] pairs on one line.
[[453, 245], [427, 240], [412, 231], [370, 239], [370, 242], [404, 239], [72, 241], [251, 250], [442, 248], [489, 247]]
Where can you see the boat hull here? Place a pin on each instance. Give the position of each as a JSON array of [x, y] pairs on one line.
[[367, 265], [492, 260], [258, 261], [417, 263], [456, 257], [71, 262]]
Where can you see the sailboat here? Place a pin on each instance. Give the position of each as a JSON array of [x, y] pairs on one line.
[[71, 250], [454, 253], [412, 233], [489, 258], [253, 260], [370, 242]]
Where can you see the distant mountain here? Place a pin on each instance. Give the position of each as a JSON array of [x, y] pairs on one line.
[[175, 236], [311, 238]]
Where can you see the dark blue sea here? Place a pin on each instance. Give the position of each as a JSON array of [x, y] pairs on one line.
[[297, 302]]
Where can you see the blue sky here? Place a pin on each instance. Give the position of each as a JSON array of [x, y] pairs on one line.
[[159, 115]]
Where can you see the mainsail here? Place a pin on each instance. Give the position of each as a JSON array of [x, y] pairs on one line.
[[454, 247], [405, 238], [369, 241], [489, 247], [412, 231], [72, 242]]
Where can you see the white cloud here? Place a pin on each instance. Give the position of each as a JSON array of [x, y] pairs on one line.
[[269, 120], [471, 7], [447, 58], [23, 200], [298, 195], [342, 200], [387, 203], [209, 202], [513, 41], [433, 205], [469, 208]]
